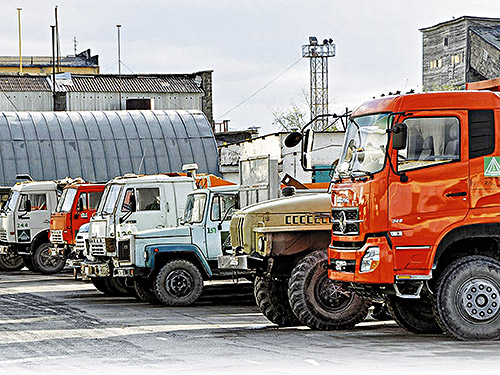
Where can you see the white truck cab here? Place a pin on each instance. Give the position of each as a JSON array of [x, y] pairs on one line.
[[130, 204], [24, 226]]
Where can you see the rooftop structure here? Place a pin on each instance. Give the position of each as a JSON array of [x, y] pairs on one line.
[[82, 63]]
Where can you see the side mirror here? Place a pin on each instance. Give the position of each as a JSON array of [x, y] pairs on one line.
[[79, 205], [133, 203], [27, 205], [399, 136], [293, 139]]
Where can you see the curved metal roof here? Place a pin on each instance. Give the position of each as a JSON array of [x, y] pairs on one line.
[[100, 145]]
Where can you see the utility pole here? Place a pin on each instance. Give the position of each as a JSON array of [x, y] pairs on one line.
[[119, 68], [53, 66], [19, 26], [58, 50], [318, 55]]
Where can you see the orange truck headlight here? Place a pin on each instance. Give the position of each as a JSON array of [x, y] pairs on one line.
[[370, 260]]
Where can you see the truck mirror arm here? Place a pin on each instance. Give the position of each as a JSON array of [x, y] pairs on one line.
[[125, 217], [226, 214]]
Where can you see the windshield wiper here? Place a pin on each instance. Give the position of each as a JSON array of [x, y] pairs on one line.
[[368, 173]]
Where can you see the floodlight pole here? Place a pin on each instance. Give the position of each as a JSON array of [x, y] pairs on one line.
[[19, 27], [318, 55]]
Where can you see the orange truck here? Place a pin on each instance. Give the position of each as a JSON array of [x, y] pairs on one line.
[[416, 211], [76, 206]]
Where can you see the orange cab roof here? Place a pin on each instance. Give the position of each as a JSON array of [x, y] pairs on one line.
[[431, 100]]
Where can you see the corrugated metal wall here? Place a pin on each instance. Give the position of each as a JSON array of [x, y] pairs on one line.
[[101, 145], [103, 101]]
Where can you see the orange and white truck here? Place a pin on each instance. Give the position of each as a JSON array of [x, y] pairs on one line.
[[77, 205], [415, 204]]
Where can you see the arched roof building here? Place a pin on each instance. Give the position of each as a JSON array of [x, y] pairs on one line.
[[100, 145]]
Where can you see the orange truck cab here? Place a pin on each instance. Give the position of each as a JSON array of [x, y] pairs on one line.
[[416, 210], [76, 206]]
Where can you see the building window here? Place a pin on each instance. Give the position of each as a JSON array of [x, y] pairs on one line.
[[457, 58], [446, 41], [436, 64]]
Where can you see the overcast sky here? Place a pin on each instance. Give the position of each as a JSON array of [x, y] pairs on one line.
[[247, 44]]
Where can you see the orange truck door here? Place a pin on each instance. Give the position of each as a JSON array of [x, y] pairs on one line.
[[436, 194]]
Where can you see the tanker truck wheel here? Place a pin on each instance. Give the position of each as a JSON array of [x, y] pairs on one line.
[[28, 262], [321, 303], [468, 298], [272, 299], [110, 286], [11, 262], [414, 315], [179, 283], [100, 284], [144, 291], [46, 263]]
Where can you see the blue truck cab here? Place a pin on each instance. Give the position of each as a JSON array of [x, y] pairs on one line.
[[170, 264]]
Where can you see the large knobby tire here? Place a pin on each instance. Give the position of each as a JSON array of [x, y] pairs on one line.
[[11, 262], [144, 291], [28, 262], [46, 263], [321, 303], [179, 283], [414, 315], [271, 296], [468, 298]]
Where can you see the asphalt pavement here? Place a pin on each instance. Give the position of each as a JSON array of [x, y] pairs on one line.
[[56, 325]]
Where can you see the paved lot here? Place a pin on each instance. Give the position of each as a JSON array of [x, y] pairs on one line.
[[53, 324]]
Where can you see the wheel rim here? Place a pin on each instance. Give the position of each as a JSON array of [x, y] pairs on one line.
[[49, 261], [179, 283], [330, 295], [478, 300], [11, 259]]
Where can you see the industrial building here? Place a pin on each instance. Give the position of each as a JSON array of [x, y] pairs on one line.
[[327, 147], [466, 49], [101, 145], [81, 63], [102, 92]]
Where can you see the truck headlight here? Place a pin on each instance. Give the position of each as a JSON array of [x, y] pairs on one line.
[[370, 260]]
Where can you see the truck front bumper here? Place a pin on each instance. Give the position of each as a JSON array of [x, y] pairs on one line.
[[345, 265], [242, 262], [95, 269], [57, 250]]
